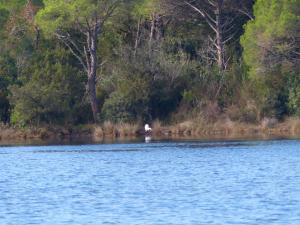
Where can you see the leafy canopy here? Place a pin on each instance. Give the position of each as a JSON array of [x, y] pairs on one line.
[[276, 22], [61, 14], [145, 8]]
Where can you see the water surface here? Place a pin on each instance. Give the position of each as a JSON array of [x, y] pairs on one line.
[[163, 183]]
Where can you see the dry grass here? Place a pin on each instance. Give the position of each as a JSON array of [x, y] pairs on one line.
[[157, 127], [268, 123], [226, 128], [293, 124], [98, 133], [126, 129], [197, 127], [108, 128]]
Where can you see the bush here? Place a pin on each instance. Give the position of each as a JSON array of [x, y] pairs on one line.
[[248, 113], [53, 92], [8, 75], [128, 102], [294, 94], [143, 88]]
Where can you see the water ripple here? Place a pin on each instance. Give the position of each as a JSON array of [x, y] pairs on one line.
[[161, 183]]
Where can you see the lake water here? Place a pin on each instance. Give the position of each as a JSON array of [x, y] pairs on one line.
[[162, 183]]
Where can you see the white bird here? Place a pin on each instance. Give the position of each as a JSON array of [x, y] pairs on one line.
[[147, 128], [148, 139]]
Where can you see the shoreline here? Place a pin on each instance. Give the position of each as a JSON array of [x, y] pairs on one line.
[[114, 133]]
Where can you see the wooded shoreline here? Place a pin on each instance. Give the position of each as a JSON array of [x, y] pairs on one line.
[[84, 62]]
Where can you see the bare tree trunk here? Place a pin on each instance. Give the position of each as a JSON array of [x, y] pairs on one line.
[[137, 37], [93, 96], [92, 74], [86, 53], [159, 34], [219, 37], [214, 16], [152, 29]]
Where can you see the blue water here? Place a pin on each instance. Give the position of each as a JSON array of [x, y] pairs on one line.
[[167, 183]]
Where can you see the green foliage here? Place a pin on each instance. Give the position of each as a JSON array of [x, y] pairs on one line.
[[142, 80], [128, 102], [3, 17], [144, 8], [270, 44], [143, 87], [53, 93], [61, 14], [294, 93], [267, 38], [8, 76], [12, 5]]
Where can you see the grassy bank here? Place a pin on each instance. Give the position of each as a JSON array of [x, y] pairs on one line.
[[225, 129]]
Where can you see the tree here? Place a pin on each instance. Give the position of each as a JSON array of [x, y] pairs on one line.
[[221, 17], [150, 16], [79, 24], [8, 75], [16, 46], [50, 92], [272, 50], [273, 37]]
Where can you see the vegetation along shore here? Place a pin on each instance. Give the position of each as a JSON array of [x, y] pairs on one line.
[[225, 130], [194, 68]]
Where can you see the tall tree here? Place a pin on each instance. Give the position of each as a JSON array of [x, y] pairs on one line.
[[271, 46], [150, 16], [221, 17], [79, 24], [273, 38]]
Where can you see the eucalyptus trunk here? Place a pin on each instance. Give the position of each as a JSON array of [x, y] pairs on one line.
[[219, 37], [92, 73]]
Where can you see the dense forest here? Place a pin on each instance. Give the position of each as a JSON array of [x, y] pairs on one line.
[[84, 61]]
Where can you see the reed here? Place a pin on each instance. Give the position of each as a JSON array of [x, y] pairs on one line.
[[197, 127]]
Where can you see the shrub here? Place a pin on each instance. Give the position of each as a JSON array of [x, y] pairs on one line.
[[53, 92], [294, 93]]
